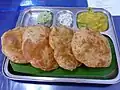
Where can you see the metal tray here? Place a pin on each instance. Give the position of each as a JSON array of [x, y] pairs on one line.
[[25, 20]]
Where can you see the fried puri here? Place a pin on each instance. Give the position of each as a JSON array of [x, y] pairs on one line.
[[65, 58], [44, 59], [11, 45], [60, 36], [36, 48], [91, 48]]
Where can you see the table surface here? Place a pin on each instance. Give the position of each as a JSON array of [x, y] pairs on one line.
[[9, 11]]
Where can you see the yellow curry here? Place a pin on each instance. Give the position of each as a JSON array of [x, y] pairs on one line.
[[97, 21]]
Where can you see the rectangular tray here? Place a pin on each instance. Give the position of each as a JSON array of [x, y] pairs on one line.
[[23, 20]]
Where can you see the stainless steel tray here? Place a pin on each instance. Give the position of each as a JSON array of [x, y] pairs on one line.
[[25, 20]]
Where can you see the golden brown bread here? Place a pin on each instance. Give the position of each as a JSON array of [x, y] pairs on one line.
[[91, 49], [64, 57], [36, 48], [44, 59], [11, 45], [60, 36]]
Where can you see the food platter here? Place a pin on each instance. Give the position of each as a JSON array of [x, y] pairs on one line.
[[30, 16]]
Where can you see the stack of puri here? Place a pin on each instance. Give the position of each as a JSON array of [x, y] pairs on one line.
[[29, 45], [50, 48], [60, 40]]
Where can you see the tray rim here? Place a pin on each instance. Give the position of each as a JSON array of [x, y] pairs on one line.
[[72, 80]]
